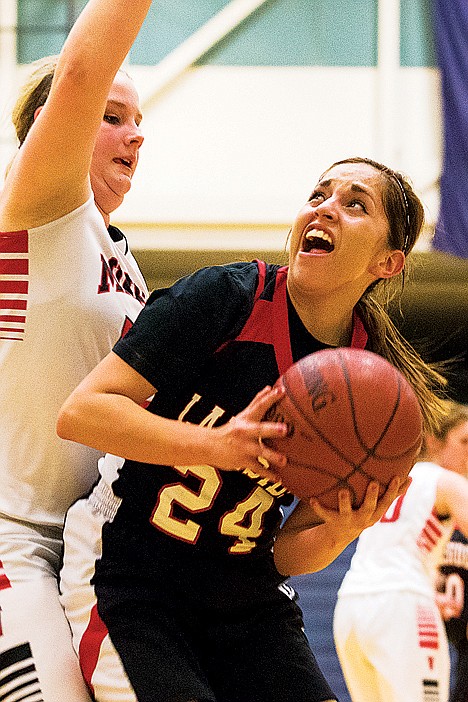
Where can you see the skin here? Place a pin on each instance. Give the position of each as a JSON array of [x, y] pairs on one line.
[[117, 148], [452, 452], [452, 489], [70, 150], [116, 153], [347, 204], [104, 411]]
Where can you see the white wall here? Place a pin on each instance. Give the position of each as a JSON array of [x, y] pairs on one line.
[[243, 146]]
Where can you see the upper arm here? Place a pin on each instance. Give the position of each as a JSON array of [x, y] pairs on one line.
[[113, 376], [302, 517], [49, 176], [180, 328]]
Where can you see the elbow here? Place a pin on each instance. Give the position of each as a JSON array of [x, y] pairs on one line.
[[283, 562], [67, 422], [75, 70], [282, 568]]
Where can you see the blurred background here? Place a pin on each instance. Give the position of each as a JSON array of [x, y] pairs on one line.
[[245, 103]]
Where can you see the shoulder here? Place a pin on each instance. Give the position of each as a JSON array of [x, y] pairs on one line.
[[424, 470], [85, 215], [239, 278], [231, 287]]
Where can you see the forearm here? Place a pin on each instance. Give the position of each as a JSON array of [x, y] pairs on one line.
[[116, 424], [309, 550], [105, 412], [101, 25]]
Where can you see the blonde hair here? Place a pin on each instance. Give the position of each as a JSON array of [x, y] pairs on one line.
[[34, 94]]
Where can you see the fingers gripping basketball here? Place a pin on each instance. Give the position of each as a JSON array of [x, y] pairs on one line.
[[352, 418]]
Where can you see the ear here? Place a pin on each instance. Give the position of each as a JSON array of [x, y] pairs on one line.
[[37, 111], [389, 265], [433, 445]]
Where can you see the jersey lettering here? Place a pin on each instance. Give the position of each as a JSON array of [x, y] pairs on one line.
[[113, 277], [394, 511], [178, 494], [275, 489], [244, 523]]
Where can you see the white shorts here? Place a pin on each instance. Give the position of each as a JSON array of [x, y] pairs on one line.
[[37, 661], [100, 663], [392, 647]]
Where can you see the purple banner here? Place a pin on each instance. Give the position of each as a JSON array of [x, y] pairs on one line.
[[451, 37]]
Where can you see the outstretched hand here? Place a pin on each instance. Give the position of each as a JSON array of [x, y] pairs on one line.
[[240, 441], [353, 521]]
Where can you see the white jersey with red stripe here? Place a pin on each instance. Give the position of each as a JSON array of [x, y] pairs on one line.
[[68, 291], [402, 550]]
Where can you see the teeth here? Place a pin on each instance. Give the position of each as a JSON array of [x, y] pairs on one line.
[[319, 234]]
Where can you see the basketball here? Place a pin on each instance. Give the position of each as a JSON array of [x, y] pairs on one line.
[[352, 418]]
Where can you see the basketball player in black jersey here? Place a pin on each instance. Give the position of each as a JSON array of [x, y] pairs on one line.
[[182, 536]]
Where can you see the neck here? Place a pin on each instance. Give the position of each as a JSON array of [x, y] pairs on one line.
[[105, 215], [328, 322]]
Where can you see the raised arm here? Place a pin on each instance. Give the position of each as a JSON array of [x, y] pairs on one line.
[[50, 174]]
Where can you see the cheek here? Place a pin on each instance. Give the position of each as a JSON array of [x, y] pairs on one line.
[[299, 224], [106, 139]]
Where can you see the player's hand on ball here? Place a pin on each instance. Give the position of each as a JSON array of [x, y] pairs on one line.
[[354, 521], [241, 444]]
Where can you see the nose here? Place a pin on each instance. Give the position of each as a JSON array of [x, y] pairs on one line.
[[327, 209], [135, 136]]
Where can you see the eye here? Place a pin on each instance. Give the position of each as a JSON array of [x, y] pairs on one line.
[[357, 204], [316, 197], [111, 119]]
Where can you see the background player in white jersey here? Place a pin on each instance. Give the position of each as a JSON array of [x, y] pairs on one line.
[[68, 290], [452, 600], [389, 634]]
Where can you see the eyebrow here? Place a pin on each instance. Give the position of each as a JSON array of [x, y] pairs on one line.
[[122, 106], [358, 189], [354, 187]]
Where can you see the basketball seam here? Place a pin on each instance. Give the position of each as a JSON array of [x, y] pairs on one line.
[[369, 451]]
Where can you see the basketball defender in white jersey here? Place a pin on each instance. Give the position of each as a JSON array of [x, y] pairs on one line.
[[68, 290], [389, 635]]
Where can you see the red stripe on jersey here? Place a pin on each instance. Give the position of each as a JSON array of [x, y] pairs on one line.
[[14, 266], [423, 643], [428, 632], [90, 646], [13, 304], [4, 581], [12, 329], [12, 318], [20, 287], [429, 536], [434, 525], [14, 242]]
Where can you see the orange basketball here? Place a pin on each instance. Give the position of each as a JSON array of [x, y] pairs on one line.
[[352, 417]]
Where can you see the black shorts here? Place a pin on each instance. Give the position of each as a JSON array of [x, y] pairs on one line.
[[241, 654]]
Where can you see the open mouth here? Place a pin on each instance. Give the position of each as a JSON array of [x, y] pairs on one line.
[[317, 240], [124, 162]]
